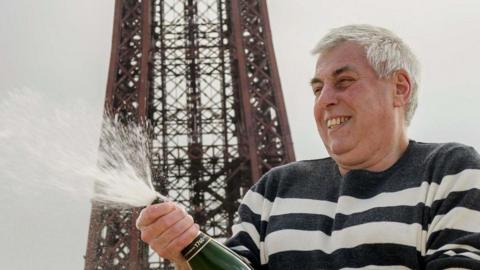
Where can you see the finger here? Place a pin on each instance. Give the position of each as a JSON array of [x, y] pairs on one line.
[[162, 224], [138, 224], [165, 244], [172, 232], [151, 213], [184, 239]]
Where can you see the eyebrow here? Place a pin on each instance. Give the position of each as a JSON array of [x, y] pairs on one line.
[[337, 72], [315, 81]]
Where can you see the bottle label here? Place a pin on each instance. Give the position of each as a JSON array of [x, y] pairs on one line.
[[198, 244]]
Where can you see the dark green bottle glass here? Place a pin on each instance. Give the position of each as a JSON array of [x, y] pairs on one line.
[[204, 253]]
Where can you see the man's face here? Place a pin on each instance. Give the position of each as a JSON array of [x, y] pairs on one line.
[[354, 109]]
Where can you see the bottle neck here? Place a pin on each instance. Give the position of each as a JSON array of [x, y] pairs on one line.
[[196, 246]]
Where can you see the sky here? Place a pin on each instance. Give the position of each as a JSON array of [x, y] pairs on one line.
[[61, 50]]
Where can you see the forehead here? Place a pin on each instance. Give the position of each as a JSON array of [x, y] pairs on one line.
[[346, 54]]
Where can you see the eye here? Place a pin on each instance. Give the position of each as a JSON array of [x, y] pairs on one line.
[[317, 90], [344, 82]]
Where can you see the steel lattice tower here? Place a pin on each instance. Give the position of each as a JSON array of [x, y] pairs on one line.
[[204, 75]]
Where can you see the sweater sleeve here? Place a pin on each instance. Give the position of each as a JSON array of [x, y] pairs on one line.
[[248, 233], [453, 236]]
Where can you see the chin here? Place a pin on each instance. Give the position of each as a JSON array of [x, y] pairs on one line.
[[338, 148]]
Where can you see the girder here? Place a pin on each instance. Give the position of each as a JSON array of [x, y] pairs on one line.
[[203, 74]]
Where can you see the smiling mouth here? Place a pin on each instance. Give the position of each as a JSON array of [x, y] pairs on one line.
[[334, 122]]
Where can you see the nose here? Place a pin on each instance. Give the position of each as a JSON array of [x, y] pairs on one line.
[[328, 96]]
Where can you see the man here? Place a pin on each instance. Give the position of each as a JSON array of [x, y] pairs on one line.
[[379, 201]]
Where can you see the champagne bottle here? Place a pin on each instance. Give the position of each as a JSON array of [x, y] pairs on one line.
[[204, 253]]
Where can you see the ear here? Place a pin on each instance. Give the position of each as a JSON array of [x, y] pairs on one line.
[[403, 88]]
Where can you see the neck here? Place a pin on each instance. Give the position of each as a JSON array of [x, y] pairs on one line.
[[381, 160]]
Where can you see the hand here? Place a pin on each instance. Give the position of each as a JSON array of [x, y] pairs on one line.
[[168, 229]]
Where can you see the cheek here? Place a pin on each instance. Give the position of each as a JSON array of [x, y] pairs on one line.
[[380, 119], [318, 115], [317, 111]]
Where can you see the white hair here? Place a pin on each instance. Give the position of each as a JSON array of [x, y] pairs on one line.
[[386, 53]]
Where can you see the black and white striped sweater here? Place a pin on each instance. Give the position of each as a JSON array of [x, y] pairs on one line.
[[422, 213]]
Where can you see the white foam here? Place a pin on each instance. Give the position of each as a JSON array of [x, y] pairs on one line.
[[58, 147]]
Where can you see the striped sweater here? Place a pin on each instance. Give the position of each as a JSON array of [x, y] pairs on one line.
[[421, 213]]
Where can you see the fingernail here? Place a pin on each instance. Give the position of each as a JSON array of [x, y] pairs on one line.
[[153, 208]]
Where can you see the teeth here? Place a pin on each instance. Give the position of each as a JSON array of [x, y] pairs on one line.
[[331, 123]]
